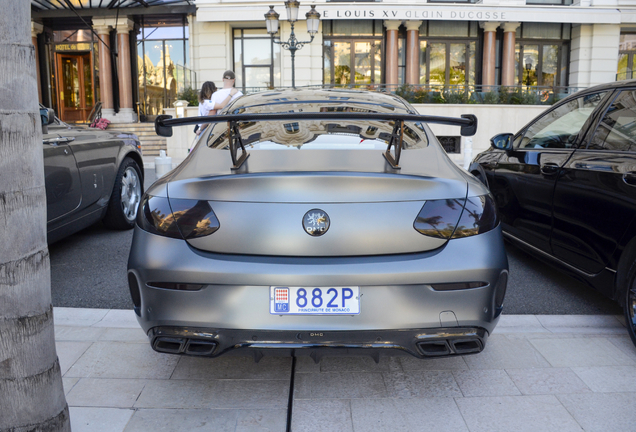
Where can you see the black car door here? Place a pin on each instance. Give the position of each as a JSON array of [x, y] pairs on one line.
[[61, 177], [525, 176], [595, 195]]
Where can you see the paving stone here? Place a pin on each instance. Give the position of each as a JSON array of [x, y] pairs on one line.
[[416, 414], [105, 392], [417, 384], [581, 352], [122, 335], [69, 352], [588, 324], [214, 394], [68, 384], [77, 334], [77, 316], [487, 382], [322, 415], [190, 420], [516, 413], [261, 420], [625, 344], [276, 368], [547, 381], [504, 351], [446, 363], [123, 360], [339, 385], [354, 364], [305, 364], [602, 412], [519, 324], [608, 379], [119, 318], [99, 419]]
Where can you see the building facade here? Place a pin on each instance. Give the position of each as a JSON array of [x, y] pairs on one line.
[[137, 58]]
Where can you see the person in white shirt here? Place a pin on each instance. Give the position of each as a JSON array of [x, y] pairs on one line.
[[209, 105], [228, 89]]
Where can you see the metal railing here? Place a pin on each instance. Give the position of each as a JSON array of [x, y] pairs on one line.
[[456, 94]]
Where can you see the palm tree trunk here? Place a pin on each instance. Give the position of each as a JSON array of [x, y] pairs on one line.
[[31, 394]]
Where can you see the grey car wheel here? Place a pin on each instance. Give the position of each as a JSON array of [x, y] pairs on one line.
[[124, 201]]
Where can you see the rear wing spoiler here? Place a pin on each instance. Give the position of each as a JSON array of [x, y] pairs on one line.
[[165, 123]]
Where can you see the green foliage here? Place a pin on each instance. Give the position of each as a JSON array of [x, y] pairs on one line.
[[459, 95], [190, 95]]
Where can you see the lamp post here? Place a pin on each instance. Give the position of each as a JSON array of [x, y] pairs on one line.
[[528, 69], [292, 44]]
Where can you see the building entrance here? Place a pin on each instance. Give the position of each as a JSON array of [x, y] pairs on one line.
[[75, 86]]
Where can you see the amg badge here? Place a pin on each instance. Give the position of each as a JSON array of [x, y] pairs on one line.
[[316, 222]]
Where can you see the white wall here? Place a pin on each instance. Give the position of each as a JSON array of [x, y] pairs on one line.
[[491, 120], [594, 54], [211, 51]]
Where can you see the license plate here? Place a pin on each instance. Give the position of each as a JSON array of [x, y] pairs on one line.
[[314, 301]]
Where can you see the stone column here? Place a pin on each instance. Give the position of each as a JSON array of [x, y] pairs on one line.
[[413, 52], [36, 29], [105, 76], [391, 73], [508, 77], [488, 65], [126, 113]]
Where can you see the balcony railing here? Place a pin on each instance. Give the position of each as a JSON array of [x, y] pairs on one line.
[[459, 94]]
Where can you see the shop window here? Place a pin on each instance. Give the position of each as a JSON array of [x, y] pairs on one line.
[[256, 60], [627, 49], [352, 52], [447, 53], [549, 2], [541, 55], [162, 65]]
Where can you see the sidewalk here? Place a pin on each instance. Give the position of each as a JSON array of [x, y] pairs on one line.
[[538, 373]]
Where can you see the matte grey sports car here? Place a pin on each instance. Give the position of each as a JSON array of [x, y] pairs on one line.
[[306, 221]]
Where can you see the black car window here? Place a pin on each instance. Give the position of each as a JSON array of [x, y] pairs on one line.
[[617, 130], [559, 127]]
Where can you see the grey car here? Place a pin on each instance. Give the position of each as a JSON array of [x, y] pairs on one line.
[[318, 221], [90, 175]]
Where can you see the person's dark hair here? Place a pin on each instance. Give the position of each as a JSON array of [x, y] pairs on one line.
[[207, 89]]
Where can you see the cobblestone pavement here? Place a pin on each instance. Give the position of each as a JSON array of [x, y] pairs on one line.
[[537, 373]]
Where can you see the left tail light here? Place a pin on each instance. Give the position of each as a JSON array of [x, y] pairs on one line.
[[457, 218], [177, 218]]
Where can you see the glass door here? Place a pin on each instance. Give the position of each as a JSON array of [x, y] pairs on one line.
[[352, 62], [75, 84]]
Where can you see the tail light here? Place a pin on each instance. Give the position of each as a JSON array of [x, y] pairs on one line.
[[177, 218], [457, 218]]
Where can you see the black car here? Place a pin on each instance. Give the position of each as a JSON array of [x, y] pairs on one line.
[[565, 186], [90, 175]]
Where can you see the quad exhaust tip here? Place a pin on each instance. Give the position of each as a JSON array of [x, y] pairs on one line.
[[449, 347]]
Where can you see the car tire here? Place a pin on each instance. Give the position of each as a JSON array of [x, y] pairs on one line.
[[124, 200], [630, 303]]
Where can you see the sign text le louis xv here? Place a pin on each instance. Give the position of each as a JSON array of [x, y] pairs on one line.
[[414, 14]]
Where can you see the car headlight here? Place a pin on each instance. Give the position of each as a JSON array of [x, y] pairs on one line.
[[457, 218], [176, 218]]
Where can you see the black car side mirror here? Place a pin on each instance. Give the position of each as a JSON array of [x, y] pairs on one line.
[[502, 141]]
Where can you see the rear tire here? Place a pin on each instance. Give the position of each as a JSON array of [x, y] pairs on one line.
[[630, 303], [124, 201]]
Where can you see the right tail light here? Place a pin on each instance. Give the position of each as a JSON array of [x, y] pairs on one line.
[[457, 218]]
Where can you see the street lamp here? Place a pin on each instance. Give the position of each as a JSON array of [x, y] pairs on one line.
[[292, 44], [528, 69]]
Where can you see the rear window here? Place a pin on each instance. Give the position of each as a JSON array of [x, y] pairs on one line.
[[317, 134]]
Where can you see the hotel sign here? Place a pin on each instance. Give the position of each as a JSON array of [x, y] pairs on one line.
[[81, 46], [414, 14], [229, 11]]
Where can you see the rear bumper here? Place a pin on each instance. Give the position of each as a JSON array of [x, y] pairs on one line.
[[395, 294], [421, 343]]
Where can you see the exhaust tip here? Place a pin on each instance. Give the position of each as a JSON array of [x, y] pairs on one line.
[[434, 348], [169, 345], [467, 346], [199, 347]]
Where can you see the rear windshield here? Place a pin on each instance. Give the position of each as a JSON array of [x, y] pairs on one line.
[[318, 134]]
